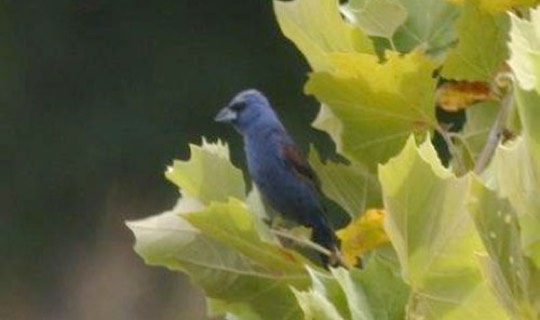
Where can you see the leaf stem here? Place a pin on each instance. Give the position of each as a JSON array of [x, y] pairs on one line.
[[460, 166], [304, 242], [495, 134]]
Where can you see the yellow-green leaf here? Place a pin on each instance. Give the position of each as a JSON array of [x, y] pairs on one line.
[[482, 47], [378, 18], [208, 175], [525, 50], [220, 250], [317, 29], [515, 176], [351, 186], [434, 236], [377, 105], [505, 266]]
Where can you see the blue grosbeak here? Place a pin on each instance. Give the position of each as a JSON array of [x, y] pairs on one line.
[[283, 176]]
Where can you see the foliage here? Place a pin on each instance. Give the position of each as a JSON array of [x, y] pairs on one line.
[[438, 243]]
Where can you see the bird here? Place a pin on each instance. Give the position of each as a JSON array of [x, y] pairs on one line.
[[280, 171]]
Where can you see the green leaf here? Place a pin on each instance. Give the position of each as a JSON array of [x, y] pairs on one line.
[[506, 267], [377, 105], [354, 295], [351, 186], [528, 104], [220, 249], [482, 45], [434, 237], [428, 26], [515, 177], [525, 50], [231, 224], [208, 175], [374, 293], [505, 5], [326, 285], [378, 18], [386, 293], [316, 306], [473, 137], [317, 29]]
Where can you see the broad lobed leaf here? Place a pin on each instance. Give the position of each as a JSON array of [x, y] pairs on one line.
[[435, 238], [378, 105], [482, 47]]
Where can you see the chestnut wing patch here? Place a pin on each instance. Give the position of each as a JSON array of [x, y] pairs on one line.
[[296, 161]]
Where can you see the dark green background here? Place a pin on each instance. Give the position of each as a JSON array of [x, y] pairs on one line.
[[97, 97]]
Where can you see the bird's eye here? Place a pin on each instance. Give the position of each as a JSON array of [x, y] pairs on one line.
[[239, 106]]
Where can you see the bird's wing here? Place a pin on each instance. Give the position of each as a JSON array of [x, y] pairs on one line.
[[296, 161]]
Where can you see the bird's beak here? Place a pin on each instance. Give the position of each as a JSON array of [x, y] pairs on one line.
[[225, 115]]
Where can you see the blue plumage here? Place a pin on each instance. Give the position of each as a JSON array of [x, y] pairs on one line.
[[281, 173]]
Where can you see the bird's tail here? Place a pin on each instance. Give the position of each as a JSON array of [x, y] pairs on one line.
[[324, 236]]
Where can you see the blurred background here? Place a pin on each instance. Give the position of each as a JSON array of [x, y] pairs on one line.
[[96, 98]]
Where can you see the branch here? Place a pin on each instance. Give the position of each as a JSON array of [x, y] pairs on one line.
[[304, 242], [460, 167], [495, 134]]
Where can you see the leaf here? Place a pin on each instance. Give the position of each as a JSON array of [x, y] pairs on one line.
[[354, 295], [473, 138], [525, 50], [515, 177], [453, 96], [224, 256], [378, 105], [435, 239], [316, 306], [362, 235], [506, 267], [482, 48], [208, 175], [428, 26], [378, 18], [351, 186], [376, 292], [386, 293], [233, 225], [528, 103], [317, 29], [504, 5]]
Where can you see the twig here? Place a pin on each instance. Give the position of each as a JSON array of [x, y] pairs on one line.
[[495, 134], [303, 242], [460, 167]]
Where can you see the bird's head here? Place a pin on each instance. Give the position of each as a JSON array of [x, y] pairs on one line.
[[249, 111]]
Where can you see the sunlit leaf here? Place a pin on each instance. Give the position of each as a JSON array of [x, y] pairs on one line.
[[376, 292], [504, 5], [351, 186], [221, 251], [525, 50], [316, 306], [378, 105], [482, 47], [208, 175], [317, 29], [514, 176], [435, 239], [379, 18], [362, 235], [506, 267]]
